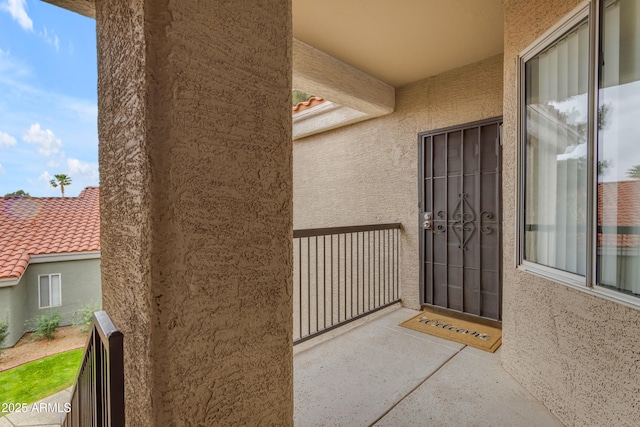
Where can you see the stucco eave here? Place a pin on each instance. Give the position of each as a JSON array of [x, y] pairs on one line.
[[83, 7], [324, 118]]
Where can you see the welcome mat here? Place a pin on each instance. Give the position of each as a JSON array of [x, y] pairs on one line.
[[476, 335]]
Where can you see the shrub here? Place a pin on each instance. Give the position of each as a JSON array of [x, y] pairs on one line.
[[82, 318], [47, 325], [4, 332]]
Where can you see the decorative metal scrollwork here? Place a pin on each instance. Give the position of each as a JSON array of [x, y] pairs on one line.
[[486, 229], [463, 220], [440, 228]]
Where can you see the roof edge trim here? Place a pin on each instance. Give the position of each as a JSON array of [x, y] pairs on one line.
[[66, 256], [9, 281]]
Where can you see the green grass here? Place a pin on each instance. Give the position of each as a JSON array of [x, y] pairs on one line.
[[36, 380]]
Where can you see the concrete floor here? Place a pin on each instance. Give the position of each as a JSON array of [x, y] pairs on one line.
[[379, 373], [385, 375]]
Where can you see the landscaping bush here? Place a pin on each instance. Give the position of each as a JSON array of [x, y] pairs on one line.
[[82, 318], [47, 325], [4, 332]]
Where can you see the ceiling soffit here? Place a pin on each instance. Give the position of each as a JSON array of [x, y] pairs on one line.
[[401, 41]]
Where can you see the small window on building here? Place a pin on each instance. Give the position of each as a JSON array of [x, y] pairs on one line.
[[49, 290], [579, 159]]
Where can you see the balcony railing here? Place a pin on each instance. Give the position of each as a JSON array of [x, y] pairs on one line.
[[341, 274], [98, 395]]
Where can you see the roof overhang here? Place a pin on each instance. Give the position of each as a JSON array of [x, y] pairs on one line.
[[83, 7], [9, 281], [355, 55], [394, 42], [355, 96], [45, 258], [68, 256]]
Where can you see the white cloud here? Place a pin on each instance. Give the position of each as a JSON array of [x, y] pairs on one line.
[[6, 140], [51, 39], [44, 176], [53, 164], [17, 10], [83, 169], [1, 169], [48, 144]]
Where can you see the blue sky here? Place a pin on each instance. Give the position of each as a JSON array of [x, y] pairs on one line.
[[48, 98]]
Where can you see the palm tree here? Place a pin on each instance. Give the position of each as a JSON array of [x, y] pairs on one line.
[[61, 180], [634, 172]]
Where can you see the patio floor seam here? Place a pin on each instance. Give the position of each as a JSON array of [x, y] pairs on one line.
[[429, 338], [416, 387]]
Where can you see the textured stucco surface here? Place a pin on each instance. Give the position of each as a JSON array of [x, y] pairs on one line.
[[13, 299], [579, 354], [196, 203], [367, 173]]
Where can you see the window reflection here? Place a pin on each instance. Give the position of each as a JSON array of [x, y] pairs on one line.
[[556, 153], [618, 244]]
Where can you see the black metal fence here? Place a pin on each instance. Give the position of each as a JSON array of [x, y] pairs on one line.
[[98, 396], [341, 274]]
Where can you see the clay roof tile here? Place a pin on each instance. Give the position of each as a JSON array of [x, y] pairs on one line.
[[618, 206], [310, 103], [47, 225]]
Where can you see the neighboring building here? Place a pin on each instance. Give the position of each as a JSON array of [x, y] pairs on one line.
[[49, 258]]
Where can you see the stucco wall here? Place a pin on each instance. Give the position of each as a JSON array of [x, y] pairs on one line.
[[367, 173], [196, 215], [579, 354], [80, 284], [12, 303]]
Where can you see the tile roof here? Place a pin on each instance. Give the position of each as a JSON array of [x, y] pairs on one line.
[[619, 205], [301, 106], [48, 225]]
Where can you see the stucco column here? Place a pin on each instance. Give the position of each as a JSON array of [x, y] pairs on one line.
[[196, 193]]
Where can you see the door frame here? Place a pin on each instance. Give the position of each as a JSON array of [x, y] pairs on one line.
[[421, 136]]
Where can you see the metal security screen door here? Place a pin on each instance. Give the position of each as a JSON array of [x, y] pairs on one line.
[[461, 218]]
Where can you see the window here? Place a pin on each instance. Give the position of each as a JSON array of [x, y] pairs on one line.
[[579, 161], [49, 290]]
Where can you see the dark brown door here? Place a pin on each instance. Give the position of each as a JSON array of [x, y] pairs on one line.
[[461, 218]]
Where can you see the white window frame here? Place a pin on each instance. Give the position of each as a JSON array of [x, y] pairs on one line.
[[39, 293], [587, 283]]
